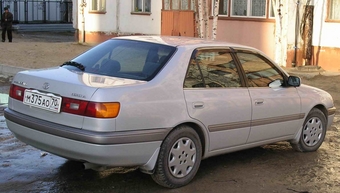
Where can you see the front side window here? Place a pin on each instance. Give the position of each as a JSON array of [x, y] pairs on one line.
[[211, 69], [248, 8], [142, 6], [259, 71], [98, 5], [333, 10]]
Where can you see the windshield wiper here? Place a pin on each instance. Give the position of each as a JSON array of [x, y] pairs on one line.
[[75, 64]]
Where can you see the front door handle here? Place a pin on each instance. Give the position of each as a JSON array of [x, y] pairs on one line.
[[259, 102]]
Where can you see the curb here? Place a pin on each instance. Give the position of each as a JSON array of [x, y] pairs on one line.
[[310, 73], [9, 71]]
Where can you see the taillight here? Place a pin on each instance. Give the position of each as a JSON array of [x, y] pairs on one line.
[[90, 109], [16, 92], [75, 106], [102, 110]]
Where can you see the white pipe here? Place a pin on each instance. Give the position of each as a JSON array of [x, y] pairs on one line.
[[117, 17]]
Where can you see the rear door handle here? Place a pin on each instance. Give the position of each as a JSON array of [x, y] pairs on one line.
[[198, 105]]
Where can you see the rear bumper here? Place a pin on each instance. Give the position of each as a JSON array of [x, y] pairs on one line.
[[132, 148]]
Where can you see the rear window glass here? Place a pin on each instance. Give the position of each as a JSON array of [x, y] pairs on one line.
[[126, 59]]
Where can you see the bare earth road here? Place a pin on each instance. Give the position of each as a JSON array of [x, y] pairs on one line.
[[271, 168]]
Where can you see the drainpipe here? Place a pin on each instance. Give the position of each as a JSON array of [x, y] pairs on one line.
[[297, 24], [117, 16], [82, 7]]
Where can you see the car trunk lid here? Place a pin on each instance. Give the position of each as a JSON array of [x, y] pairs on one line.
[[59, 83]]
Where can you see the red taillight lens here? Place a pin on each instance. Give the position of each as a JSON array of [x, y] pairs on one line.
[[17, 92], [90, 109], [74, 106], [103, 110]]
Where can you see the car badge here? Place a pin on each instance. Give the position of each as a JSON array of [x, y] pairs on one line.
[[20, 82], [46, 86]]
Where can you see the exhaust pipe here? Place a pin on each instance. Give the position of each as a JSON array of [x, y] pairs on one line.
[[95, 167]]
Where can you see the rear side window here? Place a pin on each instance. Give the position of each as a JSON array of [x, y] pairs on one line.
[[126, 59], [211, 69], [259, 71]]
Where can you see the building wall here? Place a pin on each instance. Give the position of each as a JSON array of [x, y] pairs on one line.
[[118, 20], [140, 23], [326, 39], [259, 35]]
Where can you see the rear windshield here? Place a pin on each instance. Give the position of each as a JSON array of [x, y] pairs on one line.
[[126, 59]]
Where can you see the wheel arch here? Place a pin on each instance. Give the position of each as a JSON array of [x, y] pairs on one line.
[[203, 135], [323, 109], [200, 133]]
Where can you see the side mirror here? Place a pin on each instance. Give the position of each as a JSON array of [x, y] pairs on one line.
[[294, 81]]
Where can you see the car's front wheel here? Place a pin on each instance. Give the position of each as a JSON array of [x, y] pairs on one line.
[[179, 158], [313, 132]]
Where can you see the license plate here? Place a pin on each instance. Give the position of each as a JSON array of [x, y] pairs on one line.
[[46, 101]]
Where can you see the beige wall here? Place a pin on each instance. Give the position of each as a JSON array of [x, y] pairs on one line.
[[250, 33]]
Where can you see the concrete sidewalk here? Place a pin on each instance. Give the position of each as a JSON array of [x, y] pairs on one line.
[[308, 72], [9, 71]]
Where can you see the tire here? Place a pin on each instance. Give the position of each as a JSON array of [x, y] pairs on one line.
[[313, 132], [179, 158]]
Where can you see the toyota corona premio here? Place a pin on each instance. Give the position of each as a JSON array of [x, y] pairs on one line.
[[163, 104]]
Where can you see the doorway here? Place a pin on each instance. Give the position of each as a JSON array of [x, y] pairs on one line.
[[178, 18]]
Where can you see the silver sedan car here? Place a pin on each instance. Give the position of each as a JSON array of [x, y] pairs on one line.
[[163, 104]]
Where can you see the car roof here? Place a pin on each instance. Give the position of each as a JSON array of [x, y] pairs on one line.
[[181, 41]]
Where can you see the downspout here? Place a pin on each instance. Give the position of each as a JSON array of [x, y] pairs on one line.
[[297, 26], [82, 6], [117, 16], [75, 16]]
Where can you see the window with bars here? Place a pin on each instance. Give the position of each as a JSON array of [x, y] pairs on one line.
[[249, 8], [98, 5], [333, 10], [141, 6]]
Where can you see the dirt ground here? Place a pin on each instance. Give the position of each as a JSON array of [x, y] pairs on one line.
[[40, 50], [271, 168]]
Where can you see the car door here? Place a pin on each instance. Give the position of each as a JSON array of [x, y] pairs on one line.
[[275, 108], [215, 96]]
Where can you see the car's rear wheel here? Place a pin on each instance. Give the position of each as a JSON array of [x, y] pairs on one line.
[[179, 158], [313, 132]]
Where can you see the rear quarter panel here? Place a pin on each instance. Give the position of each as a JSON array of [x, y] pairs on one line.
[[158, 103]]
